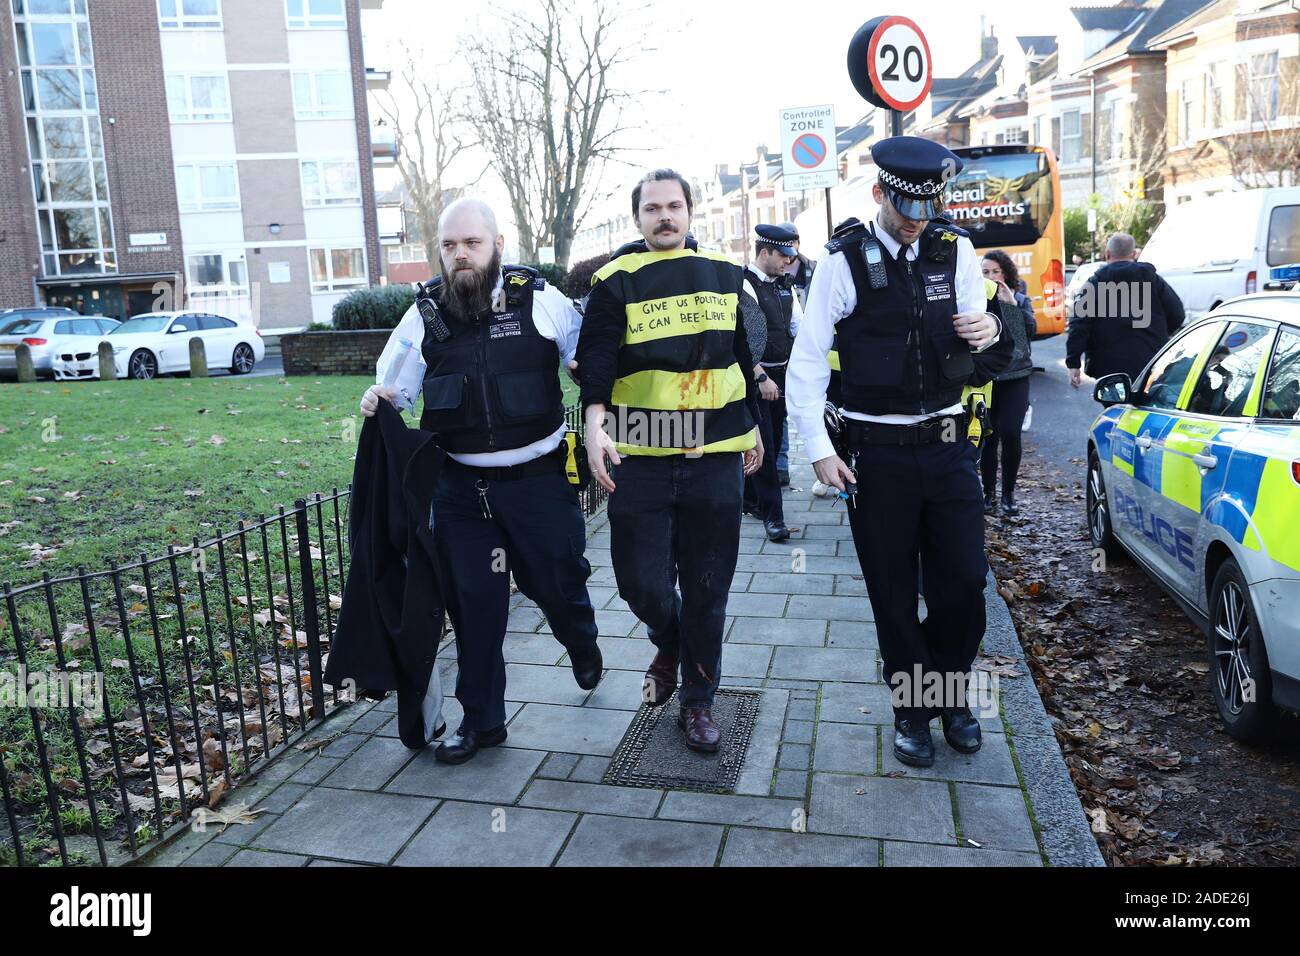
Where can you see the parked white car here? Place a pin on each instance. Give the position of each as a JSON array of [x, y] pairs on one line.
[[1217, 247], [48, 333], [158, 343]]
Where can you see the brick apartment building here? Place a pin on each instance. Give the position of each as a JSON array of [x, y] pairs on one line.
[[215, 151]]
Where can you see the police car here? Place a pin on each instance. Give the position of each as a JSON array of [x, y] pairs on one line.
[[1194, 470]]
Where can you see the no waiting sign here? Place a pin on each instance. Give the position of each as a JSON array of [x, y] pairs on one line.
[[808, 157]]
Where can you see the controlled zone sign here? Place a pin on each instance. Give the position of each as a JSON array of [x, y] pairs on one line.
[[808, 156]]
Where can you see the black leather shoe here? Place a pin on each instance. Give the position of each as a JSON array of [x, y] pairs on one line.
[[990, 506], [912, 743], [467, 743], [784, 478], [1009, 507], [776, 530], [960, 729], [587, 668]]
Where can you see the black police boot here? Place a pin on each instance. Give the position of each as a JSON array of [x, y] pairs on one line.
[[912, 742], [587, 668], [776, 530], [467, 743], [990, 505], [960, 729], [1009, 506]]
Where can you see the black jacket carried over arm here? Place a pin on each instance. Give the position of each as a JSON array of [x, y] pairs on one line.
[[392, 615]]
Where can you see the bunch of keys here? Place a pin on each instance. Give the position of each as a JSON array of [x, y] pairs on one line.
[[850, 487]]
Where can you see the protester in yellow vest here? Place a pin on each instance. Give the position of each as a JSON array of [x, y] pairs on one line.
[[670, 403]]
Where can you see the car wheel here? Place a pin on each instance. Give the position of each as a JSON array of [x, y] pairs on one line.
[[1099, 527], [1239, 674], [242, 361], [142, 365]]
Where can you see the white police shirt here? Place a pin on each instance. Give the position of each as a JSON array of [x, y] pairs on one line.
[[752, 275], [831, 297], [555, 318]]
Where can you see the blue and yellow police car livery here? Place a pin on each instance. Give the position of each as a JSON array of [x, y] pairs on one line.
[[1195, 470]]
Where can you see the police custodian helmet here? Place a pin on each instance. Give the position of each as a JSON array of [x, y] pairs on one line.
[[913, 173]]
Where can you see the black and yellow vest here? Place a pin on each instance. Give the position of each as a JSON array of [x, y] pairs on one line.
[[678, 354]]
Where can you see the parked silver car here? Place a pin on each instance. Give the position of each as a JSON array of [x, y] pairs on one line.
[[48, 332]]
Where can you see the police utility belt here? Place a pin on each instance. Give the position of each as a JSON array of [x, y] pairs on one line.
[[940, 428]]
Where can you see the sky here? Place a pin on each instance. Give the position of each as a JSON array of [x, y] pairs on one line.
[[725, 69]]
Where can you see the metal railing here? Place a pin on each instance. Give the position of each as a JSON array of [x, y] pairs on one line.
[[147, 689]]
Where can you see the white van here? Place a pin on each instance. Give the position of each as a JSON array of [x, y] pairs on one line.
[[1216, 247]]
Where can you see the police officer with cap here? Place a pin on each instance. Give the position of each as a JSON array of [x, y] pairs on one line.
[[904, 298], [487, 345], [767, 283]]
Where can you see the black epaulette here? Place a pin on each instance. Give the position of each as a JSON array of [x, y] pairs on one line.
[[847, 236], [519, 281]]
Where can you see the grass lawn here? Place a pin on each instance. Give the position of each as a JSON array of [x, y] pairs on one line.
[[91, 472]]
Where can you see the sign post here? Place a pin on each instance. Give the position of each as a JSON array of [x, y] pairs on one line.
[[891, 67], [809, 159]]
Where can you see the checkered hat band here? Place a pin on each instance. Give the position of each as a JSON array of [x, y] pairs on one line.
[[927, 188]]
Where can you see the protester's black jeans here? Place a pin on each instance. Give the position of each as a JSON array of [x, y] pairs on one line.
[[1007, 413], [675, 521]]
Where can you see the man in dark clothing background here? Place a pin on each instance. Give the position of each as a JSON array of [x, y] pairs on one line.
[[1121, 316]]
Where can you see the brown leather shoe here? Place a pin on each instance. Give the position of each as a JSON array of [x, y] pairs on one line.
[[701, 732], [660, 679]]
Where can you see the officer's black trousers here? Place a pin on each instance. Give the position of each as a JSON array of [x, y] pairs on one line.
[[922, 501], [537, 534], [763, 488], [676, 521]]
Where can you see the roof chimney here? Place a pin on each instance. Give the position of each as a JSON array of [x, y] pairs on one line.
[[988, 45]]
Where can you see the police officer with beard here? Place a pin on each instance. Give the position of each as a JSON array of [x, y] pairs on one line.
[[490, 341], [905, 300]]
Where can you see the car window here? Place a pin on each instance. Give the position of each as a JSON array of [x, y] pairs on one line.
[[1231, 370], [85, 327], [64, 327], [1284, 236], [106, 325], [217, 322], [1164, 383], [25, 327], [1282, 391]]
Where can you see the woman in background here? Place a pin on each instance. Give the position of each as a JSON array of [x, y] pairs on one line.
[[1010, 388]]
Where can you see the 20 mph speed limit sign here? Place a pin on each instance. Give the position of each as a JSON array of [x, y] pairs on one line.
[[890, 63]]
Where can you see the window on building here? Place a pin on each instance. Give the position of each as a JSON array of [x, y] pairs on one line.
[[1263, 88], [407, 252], [198, 97], [216, 274], [322, 95], [338, 268], [330, 182], [1187, 107], [1038, 131], [207, 187], [1071, 136], [315, 15], [189, 14], [1214, 75], [1013, 134], [65, 145]]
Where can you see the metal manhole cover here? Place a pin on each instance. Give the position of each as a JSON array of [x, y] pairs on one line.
[[653, 752]]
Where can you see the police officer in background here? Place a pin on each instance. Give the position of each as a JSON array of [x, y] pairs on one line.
[[767, 283], [491, 344], [906, 300]]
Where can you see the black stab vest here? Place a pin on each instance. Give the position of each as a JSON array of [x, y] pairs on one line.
[[777, 302], [494, 384], [898, 351]]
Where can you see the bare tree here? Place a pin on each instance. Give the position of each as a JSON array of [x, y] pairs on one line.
[[549, 113], [1267, 151], [430, 137]]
